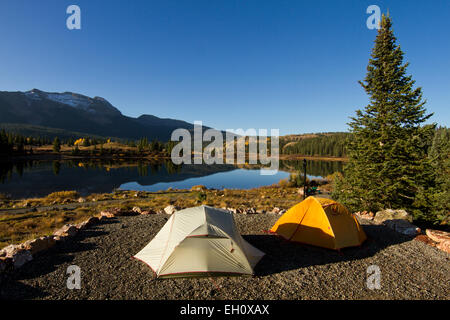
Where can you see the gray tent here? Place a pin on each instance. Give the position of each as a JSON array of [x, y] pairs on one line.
[[200, 241]]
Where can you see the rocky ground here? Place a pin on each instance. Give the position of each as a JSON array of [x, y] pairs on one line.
[[410, 269]]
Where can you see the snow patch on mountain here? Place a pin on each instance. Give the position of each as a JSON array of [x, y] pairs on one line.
[[96, 105], [33, 95], [70, 99]]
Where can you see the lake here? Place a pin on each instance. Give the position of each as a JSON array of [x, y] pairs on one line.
[[27, 179]]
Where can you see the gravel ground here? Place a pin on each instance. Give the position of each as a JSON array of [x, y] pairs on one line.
[[409, 269]]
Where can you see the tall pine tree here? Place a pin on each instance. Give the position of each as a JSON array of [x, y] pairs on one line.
[[388, 152]]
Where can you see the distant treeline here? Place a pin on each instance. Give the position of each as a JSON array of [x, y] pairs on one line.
[[333, 145], [12, 143]]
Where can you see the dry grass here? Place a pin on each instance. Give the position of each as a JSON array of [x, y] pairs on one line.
[[16, 228], [62, 195]]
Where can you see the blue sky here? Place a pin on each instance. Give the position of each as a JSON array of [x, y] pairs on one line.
[[292, 65]]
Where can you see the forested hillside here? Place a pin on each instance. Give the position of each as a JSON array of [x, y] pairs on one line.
[[321, 144]]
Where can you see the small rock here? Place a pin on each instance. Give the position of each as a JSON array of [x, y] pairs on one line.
[[365, 215], [92, 221], [147, 212], [199, 188], [137, 210], [89, 222], [111, 213], [82, 225], [68, 230], [119, 212], [170, 209], [276, 210]]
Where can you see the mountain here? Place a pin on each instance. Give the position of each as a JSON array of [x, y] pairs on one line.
[[73, 112]]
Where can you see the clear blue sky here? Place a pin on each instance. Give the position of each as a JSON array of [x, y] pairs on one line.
[[292, 65]]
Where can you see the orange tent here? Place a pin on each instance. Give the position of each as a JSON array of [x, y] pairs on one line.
[[320, 222]]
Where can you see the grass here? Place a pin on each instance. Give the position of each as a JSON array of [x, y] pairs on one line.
[[17, 227]]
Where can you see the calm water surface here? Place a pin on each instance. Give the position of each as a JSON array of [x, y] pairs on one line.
[[39, 178]]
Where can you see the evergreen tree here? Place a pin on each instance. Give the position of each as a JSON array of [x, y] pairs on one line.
[[387, 153], [439, 196], [56, 145]]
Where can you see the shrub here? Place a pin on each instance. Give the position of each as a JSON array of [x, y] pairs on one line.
[[63, 195], [284, 183], [201, 196]]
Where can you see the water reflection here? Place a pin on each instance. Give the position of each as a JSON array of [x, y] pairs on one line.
[[23, 179]]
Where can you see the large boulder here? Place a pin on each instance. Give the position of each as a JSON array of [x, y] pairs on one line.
[[5, 264], [15, 255], [20, 258], [444, 246], [438, 235], [390, 214], [403, 226], [88, 223], [38, 245], [10, 250]]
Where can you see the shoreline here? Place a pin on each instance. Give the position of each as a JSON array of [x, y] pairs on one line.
[[51, 156]]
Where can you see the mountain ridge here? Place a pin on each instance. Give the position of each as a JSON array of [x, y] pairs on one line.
[[75, 112]]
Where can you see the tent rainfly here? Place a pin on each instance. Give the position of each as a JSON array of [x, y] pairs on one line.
[[320, 222], [200, 241]]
